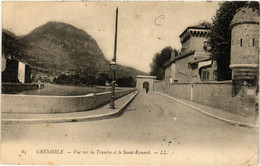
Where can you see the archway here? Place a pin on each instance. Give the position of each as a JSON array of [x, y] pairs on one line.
[[145, 85], [144, 81]]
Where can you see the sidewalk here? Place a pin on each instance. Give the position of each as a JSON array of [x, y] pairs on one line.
[[102, 112], [216, 113]]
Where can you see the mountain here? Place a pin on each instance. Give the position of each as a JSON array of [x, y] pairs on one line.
[[57, 48], [11, 45]]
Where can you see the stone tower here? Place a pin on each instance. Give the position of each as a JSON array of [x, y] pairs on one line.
[[245, 45], [244, 59]]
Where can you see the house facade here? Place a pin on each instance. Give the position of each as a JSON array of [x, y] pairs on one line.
[[239, 95], [193, 63]]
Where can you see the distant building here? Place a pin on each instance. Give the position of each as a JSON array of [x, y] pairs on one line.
[[143, 81], [14, 71], [193, 63]]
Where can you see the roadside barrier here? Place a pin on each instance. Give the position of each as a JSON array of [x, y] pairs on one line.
[[38, 104]]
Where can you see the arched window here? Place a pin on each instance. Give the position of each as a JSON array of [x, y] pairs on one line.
[[241, 43]]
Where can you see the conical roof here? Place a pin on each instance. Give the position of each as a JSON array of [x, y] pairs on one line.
[[245, 15]]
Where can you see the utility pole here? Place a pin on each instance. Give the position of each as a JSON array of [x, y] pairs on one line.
[[113, 67]]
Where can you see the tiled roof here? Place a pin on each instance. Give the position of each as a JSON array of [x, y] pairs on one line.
[[183, 55], [201, 60]]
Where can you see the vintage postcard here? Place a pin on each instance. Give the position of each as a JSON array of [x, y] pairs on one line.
[[130, 83]]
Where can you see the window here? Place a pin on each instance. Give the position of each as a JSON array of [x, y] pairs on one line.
[[205, 75], [215, 75], [205, 46], [241, 43], [253, 43]]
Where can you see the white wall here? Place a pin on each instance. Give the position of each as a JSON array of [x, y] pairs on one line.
[[21, 72]]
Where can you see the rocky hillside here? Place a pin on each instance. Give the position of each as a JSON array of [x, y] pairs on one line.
[[57, 48], [11, 45]]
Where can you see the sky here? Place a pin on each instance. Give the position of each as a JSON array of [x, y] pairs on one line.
[[144, 28]]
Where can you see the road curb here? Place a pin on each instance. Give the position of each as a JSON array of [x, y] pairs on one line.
[[117, 113], [211, 115]]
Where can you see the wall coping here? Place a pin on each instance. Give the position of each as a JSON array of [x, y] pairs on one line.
[[78, 96], [205, 82], [146, 77], [214, 82], [180, 83]]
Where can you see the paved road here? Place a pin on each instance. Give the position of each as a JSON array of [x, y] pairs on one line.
[[175, 134]]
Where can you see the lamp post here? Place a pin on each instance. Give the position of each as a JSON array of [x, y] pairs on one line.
[[113, 70], [113, 67]]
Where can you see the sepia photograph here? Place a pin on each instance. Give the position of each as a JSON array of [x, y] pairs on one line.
[[130, 83]]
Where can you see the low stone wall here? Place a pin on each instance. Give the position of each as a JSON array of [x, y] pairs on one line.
[[11, 87], [56, 104], [159, 86], [217, 95], [182, 90]]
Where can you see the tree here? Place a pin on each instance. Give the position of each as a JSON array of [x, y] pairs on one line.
[[159, 59], [67, 79], [88, 80], [220, 36], [125, 81], [101, 79]]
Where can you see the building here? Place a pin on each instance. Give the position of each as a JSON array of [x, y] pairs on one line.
[[143, 81], [244, 57], [14, 71], [239, 95], [245, 45], [193, 63]]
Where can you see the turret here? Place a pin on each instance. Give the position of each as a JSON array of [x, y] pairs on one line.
[[245, 44]]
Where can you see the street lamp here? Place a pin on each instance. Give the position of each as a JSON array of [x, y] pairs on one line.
[[113, 67], [113, 70]]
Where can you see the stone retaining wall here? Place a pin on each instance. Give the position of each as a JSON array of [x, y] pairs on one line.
[[159, 86], [182, 90], [215, 94], [56, 104]]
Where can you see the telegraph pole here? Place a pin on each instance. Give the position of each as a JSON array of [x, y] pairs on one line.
[[113, 66], [115, 44]]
